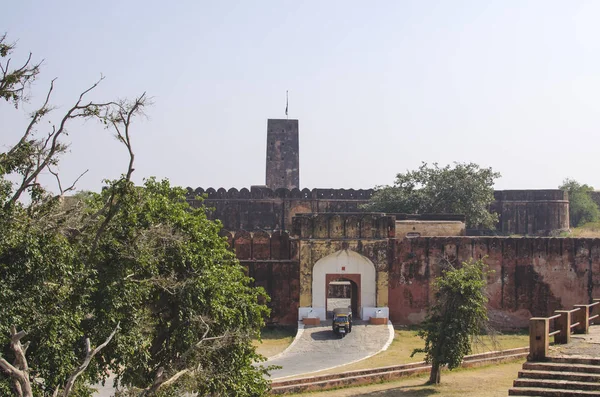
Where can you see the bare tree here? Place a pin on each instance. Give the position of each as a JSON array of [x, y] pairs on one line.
[[31, 156]]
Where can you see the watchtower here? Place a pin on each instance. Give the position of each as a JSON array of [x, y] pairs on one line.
[[283, 162]]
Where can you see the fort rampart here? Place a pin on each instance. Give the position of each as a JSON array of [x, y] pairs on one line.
[[531, 276], [525, 212]]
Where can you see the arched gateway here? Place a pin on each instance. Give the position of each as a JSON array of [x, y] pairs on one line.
[[352, 252], [344, 265]]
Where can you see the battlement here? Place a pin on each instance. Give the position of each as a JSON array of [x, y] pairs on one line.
[[281, 193], [527, 212]]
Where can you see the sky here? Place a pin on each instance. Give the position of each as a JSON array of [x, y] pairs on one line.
[[378, 87]]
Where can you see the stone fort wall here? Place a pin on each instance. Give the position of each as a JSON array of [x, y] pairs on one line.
[[532, 276], [525, 212], [271, 259]]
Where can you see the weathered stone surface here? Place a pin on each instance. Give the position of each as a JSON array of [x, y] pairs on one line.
[[283, 163]]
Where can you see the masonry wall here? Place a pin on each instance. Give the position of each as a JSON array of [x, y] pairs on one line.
[[271, 259], [283, 167], [531, 212], [266, 209], [410, 228], [532, 276], [527, 212]]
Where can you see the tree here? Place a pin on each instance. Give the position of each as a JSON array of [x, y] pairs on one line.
[[463, 189], [582, 208], [132, 270], [14, 81], [456, 317]]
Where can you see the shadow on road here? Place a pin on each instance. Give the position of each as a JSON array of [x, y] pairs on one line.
[[324, 335]]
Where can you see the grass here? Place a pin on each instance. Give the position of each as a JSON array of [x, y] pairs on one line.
[[405, 341], [487, 381], [274, 341], [589, 230]]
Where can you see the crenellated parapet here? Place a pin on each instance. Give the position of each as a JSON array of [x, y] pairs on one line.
[[282, 193], [267, 209], [525, 212]]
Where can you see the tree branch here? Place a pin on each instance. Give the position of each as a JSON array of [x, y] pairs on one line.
[[19, 371], [88, 358]]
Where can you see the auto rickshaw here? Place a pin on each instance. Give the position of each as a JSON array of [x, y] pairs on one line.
[[342, 321]]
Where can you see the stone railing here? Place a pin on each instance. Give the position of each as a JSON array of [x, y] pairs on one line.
[[566, 322]]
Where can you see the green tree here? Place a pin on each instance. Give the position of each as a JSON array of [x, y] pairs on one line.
[[133, 271], [582, 208], [457, 316], [464, 189]]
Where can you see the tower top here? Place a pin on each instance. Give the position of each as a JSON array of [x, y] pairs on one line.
[[283, 165]]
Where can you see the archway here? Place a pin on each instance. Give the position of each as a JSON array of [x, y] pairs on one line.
[[349, 266], [342, 293]]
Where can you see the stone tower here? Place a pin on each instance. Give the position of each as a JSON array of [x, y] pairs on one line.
[[282, 154]]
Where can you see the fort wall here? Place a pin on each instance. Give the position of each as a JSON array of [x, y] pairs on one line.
[[531, 212], [531, 276], [526, 212], [271, 259]]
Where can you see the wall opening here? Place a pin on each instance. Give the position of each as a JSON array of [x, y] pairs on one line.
[[345, 265], [342, 293]]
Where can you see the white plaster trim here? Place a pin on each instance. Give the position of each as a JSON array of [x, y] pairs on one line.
[[296, 339], [385, 347], [376, 312], [392, 334], [344, 262], [311, 312]]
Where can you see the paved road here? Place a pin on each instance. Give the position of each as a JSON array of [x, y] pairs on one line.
[[318, 348]]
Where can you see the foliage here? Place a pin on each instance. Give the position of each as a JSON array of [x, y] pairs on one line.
[[14, 81], [463, 189], [582, 208], [134, 267], [457, 315], [176, 285]]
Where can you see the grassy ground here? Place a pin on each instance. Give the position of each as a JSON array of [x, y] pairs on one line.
[[589, 230], [274, 341], [488, 381], [405, 341]]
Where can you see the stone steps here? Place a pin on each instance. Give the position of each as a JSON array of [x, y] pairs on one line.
[[559, 377], [572, 376], [541, 392], [564, 367]]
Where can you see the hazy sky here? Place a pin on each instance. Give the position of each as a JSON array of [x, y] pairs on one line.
[[378, 86]]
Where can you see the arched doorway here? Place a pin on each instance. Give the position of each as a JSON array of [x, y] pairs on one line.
[[346, 266], [342, 293]]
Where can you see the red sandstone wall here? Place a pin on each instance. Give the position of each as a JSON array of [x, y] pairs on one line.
[[271, 260], [532, 276], [526, 212]]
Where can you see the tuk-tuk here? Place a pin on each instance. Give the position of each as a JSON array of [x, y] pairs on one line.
[[342, 321]]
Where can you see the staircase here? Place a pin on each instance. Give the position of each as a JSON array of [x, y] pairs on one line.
[[559, 377]]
